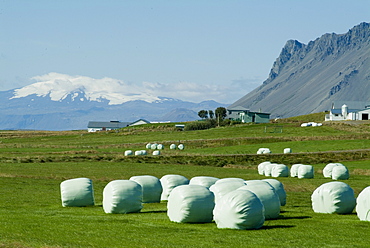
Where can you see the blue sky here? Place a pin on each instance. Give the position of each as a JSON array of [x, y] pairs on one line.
[[224, 48]]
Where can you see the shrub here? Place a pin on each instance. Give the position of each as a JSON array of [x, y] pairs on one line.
[[201, 125]]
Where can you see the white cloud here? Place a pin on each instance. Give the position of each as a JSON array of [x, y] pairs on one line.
[[117, 91]]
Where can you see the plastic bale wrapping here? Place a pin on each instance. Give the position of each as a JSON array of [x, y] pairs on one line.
[[169, 182], [305, 171], [268, 169], [122, 196], [239, 209], [279, 188], [230, 179], [294, 170], [268, 196], [153, 146], [160, 147], [143, 152], [181, 147], [151, 188], [148, 146], [333, 197], [287, 150], [77, 192], [280, 170], [190, 204], [261, 167], [172, 146], [205, 181], [138, 153], [263, 151], [340, 173], [328, 169], [128, 153], [363, 205], [222, 188], [156, 153]]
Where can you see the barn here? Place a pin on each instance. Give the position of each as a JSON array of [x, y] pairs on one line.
[[350, 110], [244, 115]]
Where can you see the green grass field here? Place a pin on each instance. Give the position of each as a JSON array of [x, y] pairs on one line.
[[33, 164]]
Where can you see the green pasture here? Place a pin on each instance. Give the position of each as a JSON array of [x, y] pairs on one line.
[[34, 163]]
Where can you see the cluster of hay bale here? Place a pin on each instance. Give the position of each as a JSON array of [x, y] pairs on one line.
[[153, 146], [311, 124], [231, 202], [267, 150], [336, 171], [269, 169]]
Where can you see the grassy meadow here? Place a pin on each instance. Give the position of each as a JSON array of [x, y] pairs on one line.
[[34, 163]]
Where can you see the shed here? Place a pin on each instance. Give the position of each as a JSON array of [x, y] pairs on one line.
[[94, 126]]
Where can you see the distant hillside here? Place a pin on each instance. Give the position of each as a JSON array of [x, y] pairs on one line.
[[308, 78]]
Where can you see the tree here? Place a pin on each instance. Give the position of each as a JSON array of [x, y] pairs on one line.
[[220, 113], [203, 114], [211, 114]]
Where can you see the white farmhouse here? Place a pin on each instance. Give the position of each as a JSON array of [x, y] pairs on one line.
[[349, 110]]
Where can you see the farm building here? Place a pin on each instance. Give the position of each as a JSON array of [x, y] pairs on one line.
[[94, 126], [245, 115], [349, 110]]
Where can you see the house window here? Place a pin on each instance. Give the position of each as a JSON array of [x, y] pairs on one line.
[[365, 117]]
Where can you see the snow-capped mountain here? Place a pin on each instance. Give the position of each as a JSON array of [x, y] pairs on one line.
[[62, 102]]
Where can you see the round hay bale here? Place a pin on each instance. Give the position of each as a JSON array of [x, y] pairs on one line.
[[239, 209], [160, 147], [122, 196], [138, 153], [151, 187], [268, 169], [340, 173], [181, 147], [261, 167], [77, 192], [190, 204], [268, 196], [305, 171], [169, 182], [143, 152], [220, 189], [327, 171], [153, 146], [205, 181], [148, 146], [156, 153], [333, 197], [363, 205], [287, 150], [279, 188], [280, 170], [128, 153], [294, 170], [172, 146]]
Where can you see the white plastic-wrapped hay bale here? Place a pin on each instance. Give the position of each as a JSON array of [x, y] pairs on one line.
[[294, 170], [280, 170], [156, 153], [205, 181], [333, 197], [268, 196], [143, 152], [148, 146], [287, 150], [261, 167], [153, 146], [151, 188], [328, 169], [222, 188], [122, 196], [181, 147], [138, 153], [263, 151], [239, 209], [77, 192], [230, 179], [169, 182], [190, 204], [268, 169], [128, 153], [279, 189], [160, 147], [340, 173], [172, 146], [305, 171], [363, 205]]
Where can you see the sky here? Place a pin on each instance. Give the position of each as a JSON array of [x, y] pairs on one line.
[[192, 50]]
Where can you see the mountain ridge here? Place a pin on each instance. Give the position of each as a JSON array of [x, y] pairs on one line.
[[307, 78]]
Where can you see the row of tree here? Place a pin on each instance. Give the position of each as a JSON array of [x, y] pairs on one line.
[[220, 113]]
